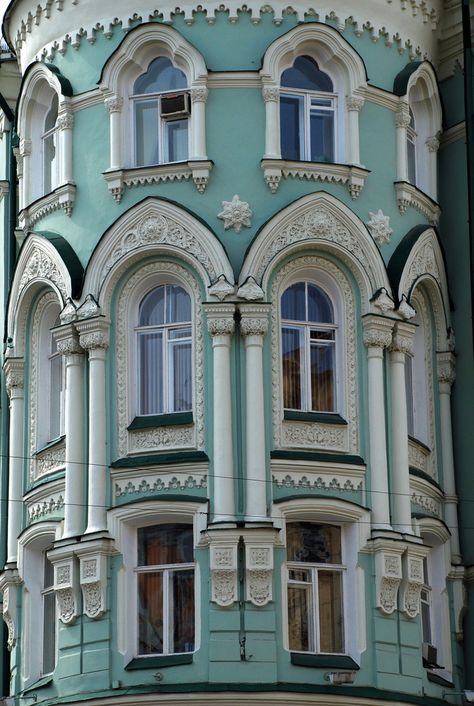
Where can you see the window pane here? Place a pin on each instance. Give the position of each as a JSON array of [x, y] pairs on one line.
[[182, 610], [322, 136], [49, 162], [178, 304], [146, 133], [319, 306], [330, 611], [56, 372], [411, 159], [165, 544], [181, 376], [293, 303], [299, 618], [291, 108], [160, 76], [305, 74], [322, 377], [49, 632], [409, 395], [150, 613], [292, 354], [150, 355], [152, 308], [312, 543], [176, 140], [425, 617]]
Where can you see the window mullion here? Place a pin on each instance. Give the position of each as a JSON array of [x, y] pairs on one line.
[[315, 612], [166, 613]]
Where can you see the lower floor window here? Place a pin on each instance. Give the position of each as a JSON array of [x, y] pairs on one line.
[[315, 588], [49, 617], [165, 576]]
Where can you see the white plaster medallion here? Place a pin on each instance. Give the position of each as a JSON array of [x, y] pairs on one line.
[[236, 214], [379, 227]]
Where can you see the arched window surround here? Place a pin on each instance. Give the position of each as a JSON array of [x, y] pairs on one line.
[[343, 65], [132, 58], [40, 86], [337, 431], [184, 434]]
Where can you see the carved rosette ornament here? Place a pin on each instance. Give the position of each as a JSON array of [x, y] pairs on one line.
[[388, 567], [259, 573], [433, 143], [236, 214], [412, 585], [379, 227], [224, 574]]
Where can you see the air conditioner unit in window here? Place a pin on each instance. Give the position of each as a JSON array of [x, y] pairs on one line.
[[430, 656], [175, 106]]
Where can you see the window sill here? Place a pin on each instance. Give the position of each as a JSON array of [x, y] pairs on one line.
[[118, 179], [38, 684], [62, 198], [159, 661], [160, 459], [350, 175], [301, 659], [438, 679], [322, 417], [161, 420], [409, 195]]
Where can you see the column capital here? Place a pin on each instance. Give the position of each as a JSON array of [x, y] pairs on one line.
[[433, 143], [271, 93], [199, 94], [254, 319], [377, 331], [403, 337], [25, 147], [13, 369], [66, 120], [93, 333], [354, 103], [114, 104], [220, 319], [402, 116], [446, 365], [67, 339]]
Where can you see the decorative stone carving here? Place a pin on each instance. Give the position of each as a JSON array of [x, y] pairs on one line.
[[413, 583], [9, 582], [161, 438], [199, 94], [379, 227], [65, 121], [69, 312], [271, 93], [13, 369], [377, 331], [150, 485], [250, 290], [354, 103], [93, 333], [62, 198], [46, 507], [388, 575], [93, 580], [220, 320], [314, 434], [254, 319], [114, 104], [383, 301], [350, 175], [49, 461], [223, 561], [446, 367], [67, 340], [433, 143], [405, 309], [236, 214], [409, 196], [403, 338], [40, 266], [89, 308], [65, 587], [402, 116], [197, 169], [259, 573], [221, 288], [328, 482]]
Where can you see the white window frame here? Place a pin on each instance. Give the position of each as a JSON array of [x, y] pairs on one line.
[[305, 118], [50, 165], [46, 592]]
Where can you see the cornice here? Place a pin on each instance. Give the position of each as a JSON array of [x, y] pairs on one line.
[[453, 134]]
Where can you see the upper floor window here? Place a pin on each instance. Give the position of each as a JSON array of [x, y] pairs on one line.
[[56, 389], [411, 149], [308, 349], [49, 617], [50, 148], [164, 351], [416, 382], [315, 588], [161, 108], [165, 586], [307, 112]]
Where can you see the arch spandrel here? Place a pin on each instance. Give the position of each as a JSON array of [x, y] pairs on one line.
[[156, 228], [318, 221]]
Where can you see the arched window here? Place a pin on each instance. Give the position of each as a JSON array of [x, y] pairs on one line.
[[315, 588], [161, 111], [50, 148], [56, 389], [307, 112], [164, 351], [308, 349], [411, 149]]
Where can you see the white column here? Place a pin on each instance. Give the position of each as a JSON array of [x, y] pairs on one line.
[[220, 323], [114, 106], [354, 106], [446, 377], [68, 345], [377, 336], [65, 125], [198, 123], [432, 144], [271, 96], [25, 153], [14, 383], [402, 121], [94, 337], [254, 326], [400, 476]]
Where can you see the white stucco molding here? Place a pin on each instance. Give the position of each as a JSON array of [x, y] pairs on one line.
[[317, 221], [424, 266], [39, 266], [154, 228]]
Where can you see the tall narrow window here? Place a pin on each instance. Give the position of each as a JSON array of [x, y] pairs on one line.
[[411, 150], [56, 390], [416, 385], [425, 598], [307, 112], [50, 148], [308, 349], [165, 577], [49, 617], [164, 345], [315, 588], [161, 109]]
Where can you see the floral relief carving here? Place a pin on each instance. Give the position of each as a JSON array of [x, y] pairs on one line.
[[221, 288], [188, 436], [49, 461], [63, 575], [89, 568], [423, 263], [236, 214], [426, 503], [392, 565], [66, 605], [150, 486], [224, 586], [411, 599], [160, 229], [46, 507], [259, 586], [313, 433], [379, 227], [388, 594], [40, 266], [418, 456], [328, 482], [93, 599], [250, 290]]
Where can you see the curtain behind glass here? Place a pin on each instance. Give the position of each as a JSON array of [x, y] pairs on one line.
[[292, 360], [146, 133], [150, 355]]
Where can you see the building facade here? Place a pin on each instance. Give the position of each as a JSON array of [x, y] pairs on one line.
[[237, 367]]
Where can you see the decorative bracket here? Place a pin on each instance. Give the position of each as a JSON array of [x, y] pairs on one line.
[[259, 570], [388, 572], [9, 582], [92, 556], [224, 574], [412, 581], [65, 587]]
